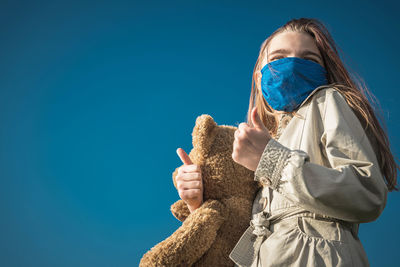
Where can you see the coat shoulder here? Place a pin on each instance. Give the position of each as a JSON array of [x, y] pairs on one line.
[[326, 93], [328, 96]]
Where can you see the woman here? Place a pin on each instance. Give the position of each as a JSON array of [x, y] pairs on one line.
[[315, 144]]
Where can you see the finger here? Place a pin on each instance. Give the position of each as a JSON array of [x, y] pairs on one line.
[[241, 135], [256, 120], [190, 194], [190, 176], [190, 168], [188, 185], [183, 156], [236, 134], [240, 139], [243, 126]]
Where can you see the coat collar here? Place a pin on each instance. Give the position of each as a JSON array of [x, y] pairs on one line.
[[314, 91], [301, 110]]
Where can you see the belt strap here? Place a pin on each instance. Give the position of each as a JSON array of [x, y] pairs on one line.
[[248, 246]]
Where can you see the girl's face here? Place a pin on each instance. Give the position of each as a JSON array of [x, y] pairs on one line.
[[290, 44]]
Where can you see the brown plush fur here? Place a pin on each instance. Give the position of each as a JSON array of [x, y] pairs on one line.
[[208, 235]]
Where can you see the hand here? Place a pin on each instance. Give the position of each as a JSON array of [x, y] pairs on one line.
[[189, 182], [250, 142]]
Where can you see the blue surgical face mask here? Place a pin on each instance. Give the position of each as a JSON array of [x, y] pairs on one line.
[[287, 82]]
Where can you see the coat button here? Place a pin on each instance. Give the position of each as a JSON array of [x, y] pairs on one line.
[[266, 181], [285, 121]]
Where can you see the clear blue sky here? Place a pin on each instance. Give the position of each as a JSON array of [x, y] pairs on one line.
[[96, 96]]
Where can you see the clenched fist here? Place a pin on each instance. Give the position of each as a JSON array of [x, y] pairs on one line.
[[250, 142]]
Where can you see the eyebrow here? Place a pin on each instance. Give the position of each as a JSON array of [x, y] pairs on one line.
[[285, 51]]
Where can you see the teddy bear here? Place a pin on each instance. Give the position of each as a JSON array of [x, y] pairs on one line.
[[209, 233]]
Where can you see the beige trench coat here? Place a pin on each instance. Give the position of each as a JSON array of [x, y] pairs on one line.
[[321, 179]]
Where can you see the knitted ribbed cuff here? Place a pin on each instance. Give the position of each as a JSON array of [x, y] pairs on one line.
[[273, 159]]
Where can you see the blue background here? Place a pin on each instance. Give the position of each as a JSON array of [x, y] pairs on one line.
[[96, 96]]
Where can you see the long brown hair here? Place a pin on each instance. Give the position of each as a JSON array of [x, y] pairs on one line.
[[352, 87]]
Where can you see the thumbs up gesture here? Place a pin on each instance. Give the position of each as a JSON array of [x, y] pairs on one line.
[[189, 181], [250, 142]]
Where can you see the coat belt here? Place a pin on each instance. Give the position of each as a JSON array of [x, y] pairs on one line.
[[248, 246]]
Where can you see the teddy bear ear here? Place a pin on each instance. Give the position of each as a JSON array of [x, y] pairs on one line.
[[203, 134]]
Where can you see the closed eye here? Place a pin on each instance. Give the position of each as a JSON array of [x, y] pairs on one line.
[[312, 60], [276, 58]]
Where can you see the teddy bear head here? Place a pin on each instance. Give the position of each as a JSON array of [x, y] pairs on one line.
[[212, 151]]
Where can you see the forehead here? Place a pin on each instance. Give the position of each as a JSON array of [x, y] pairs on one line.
[[292, 41]]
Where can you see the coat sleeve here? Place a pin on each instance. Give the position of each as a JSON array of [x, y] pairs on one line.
[[352, 188]]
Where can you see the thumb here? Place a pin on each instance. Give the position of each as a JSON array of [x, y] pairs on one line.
[[184, 157], [256, 120]]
